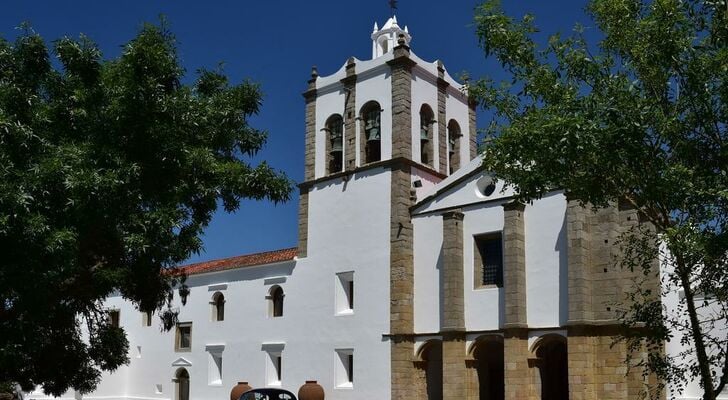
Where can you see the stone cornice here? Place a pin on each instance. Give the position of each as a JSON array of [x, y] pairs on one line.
[[391, 163]]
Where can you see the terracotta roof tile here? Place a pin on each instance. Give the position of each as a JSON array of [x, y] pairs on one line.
[[247, 260]]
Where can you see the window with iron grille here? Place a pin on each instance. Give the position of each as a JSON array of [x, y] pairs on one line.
[[489, 260]]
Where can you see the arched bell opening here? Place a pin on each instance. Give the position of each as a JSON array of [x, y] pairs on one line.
[[453, 145], [427, 127], [371, 134], [334, 144]]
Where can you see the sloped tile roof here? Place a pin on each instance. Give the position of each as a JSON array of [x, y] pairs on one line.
[[246, 260]]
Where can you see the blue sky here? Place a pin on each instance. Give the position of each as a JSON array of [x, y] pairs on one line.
[[275, 43]]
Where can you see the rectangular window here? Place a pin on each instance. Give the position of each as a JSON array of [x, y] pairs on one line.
[[114, 316], [344, 293], [488, 260], [215, 364], [279, 366], [274, 363], [344, 368], [184, 337], [350, 295]]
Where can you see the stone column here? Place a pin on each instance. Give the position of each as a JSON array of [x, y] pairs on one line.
[[454, 372], [517, 373], [309, 163], [472, 131], [579, 276], [310, 143], [442, 86], [401, 268], [303, 222], [401, 291], [514, 265], [453, 279], [581, 362], [350, 116], [401, 66]]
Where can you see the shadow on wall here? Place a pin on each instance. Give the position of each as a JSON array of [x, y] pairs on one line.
[[440, 283], [561, 250]]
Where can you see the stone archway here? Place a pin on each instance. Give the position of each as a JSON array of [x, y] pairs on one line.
[[430, 362], [552, 361], [182, 384], [489, 365]]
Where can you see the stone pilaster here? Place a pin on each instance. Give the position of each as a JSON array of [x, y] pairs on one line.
[[472, 131], [350, 115], [442, 86], [579, 267], [401, 268], [303, 223], [581, 361], [401, 280], [453, 290], [401, 252], [516, 374], [309, 163], [403, 368], [310, 142], [454, 371], [401, 66], [514, 265]]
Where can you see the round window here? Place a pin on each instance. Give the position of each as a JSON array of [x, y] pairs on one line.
[[485, 186]]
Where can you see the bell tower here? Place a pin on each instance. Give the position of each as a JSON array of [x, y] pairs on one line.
[[379, 133]]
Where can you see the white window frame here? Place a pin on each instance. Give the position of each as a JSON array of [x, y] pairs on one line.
[[215, 364], [343, 369], [273, 370], [342, 297]]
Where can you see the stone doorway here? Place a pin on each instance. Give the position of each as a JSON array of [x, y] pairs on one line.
[[182, 384], [552, 356], [488, 355]]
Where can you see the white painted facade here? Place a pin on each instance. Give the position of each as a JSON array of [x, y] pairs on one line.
[[349, 240]]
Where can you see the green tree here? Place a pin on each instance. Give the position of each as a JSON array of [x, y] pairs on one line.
[[637, 115], [109, 172]]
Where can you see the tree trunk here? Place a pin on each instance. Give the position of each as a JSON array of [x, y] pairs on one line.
[[703, 363]]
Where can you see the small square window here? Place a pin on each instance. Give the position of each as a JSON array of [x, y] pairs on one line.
[[184, 337], [488, 254]]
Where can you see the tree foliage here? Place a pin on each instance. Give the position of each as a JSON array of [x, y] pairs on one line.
[[109, 172], [636, 115]]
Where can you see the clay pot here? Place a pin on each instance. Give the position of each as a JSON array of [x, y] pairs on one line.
[[239, 389], [311, 391]]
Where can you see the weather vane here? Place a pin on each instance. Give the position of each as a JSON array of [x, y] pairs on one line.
[[392, 6]]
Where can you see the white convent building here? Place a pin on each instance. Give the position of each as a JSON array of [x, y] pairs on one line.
[[415, 277]]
